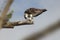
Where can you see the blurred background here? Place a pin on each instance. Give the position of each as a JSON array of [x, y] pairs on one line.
[[40, 22]]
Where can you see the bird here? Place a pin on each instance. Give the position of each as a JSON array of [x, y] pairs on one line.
[[33, 12]]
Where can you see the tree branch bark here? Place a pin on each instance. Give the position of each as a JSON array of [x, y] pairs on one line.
[[19, 23], [5, 12]]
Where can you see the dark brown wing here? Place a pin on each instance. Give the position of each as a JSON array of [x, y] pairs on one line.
[[38, 13]]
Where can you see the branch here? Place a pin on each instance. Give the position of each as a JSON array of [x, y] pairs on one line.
[[6, 8], [19, 23], [41, 34]]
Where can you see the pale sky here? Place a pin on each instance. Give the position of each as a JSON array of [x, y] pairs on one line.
[[40, 22]]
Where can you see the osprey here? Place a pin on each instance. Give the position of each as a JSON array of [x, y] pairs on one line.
[[33, 12]]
